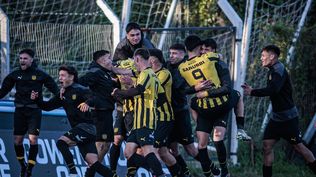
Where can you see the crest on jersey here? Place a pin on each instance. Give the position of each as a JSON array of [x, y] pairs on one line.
[[33, 77], [74, 97]]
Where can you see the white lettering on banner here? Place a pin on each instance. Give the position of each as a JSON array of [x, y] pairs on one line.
[[76, 154], [2, 151], [42, 157], [62, 171], [53, 152], [79, 162], [3, 168]]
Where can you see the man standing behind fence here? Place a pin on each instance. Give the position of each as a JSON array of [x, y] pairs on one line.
[[284, 122], [27, 115]]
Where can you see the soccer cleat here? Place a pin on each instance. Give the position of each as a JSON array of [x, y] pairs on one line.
[[215, 171], [23, 170], [242, 135], [22, 174], [224, 172], [28, 173]]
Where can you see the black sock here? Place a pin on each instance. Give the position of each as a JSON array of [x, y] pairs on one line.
[[19, 151], [32, 157], [183, 165], [175, 170], [154, 164], [221, 155], [90, 172], [64, 149], [102, 170], [312, 166], [267, 171], [208, 167], [114, 156], [240, 120]]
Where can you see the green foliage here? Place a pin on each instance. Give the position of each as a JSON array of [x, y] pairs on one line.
[[281, 166]]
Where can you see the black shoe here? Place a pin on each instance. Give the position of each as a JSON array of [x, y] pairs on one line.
[[23, 171], [28, 173], [225, 173], [215, 171]]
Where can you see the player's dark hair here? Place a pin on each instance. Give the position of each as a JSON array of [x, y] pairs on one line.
[[178, 46], [131, 26], [191, 42], [144, 53], [100, 53], [70, 70], [30, 52], [209, 42], [157, 53], [272, 48]]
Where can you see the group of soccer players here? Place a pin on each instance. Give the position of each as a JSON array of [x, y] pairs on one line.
[[152, 108]]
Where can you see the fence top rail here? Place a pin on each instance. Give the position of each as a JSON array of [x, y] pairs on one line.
[[231, 28]]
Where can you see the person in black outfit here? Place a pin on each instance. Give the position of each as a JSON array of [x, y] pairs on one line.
[[134, 39], [76, 100], [182, 131], [284, 122], [27, 115], [99, 80]]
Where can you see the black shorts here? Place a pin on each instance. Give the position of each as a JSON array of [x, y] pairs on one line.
[[27, 120], [206, 122], [104, 125], [182, 129], [162, 133], [142, 137], [84, 140], [288, 130], [226, 107], [123, 124]]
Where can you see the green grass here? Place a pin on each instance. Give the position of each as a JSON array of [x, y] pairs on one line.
[[282, 167]]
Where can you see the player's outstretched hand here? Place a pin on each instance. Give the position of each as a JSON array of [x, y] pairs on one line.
[[247, 89]]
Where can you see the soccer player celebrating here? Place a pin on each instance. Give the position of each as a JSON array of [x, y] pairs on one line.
[[182, 131], [123, 55], [209, 45], [27, 116], [284, 122], [100, 82], [164, 113], [76, 100], [145, 94], [209, 78]]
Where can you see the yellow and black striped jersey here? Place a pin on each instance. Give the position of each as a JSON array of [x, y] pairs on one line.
[[128, 104], [145, 103], [164, 109], [202, 68]]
